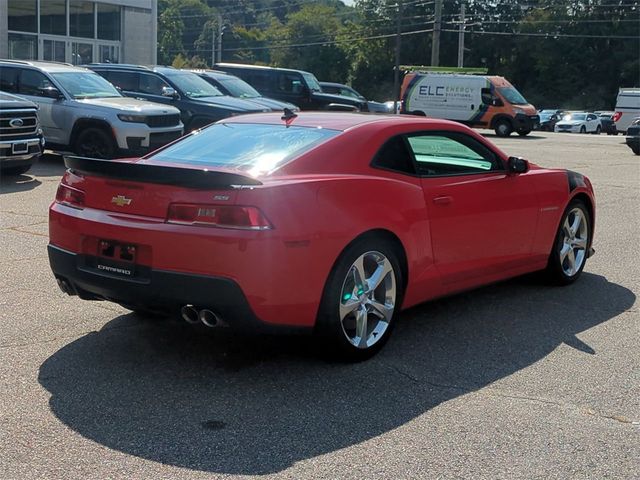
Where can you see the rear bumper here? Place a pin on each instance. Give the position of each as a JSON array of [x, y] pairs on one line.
[[160, 289]]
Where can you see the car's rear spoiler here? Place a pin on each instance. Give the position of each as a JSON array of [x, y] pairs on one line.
[[141, 172]]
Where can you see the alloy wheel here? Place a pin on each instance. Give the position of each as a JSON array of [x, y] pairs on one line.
[[575, 238], [367, 299]]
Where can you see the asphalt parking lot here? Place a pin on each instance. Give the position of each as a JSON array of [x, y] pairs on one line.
[[515, 380]]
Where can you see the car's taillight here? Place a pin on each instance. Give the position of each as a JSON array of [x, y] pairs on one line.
[[70, 196], [223, 216], [616, 116]]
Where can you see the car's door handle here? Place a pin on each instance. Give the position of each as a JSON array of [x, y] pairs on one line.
[[443, 200]]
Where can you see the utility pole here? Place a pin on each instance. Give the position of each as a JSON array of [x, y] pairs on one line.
[[396, 71], [213, 46], [437, 26], [220, 30], [461, 38]]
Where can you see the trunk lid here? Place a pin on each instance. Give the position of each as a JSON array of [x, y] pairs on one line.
[[147, 190]]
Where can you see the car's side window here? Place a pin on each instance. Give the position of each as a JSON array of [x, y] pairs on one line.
[[451, 153], [394, 155], [127, 81], [348, 93], [290, 82], [32, 83], [152, 84], [9, 79], [258, 80]]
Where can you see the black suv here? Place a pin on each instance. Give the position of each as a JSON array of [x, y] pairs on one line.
[[21, 139], [293, 86], [199, 102]]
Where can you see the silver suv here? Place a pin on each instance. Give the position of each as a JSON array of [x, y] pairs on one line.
[[82, 112]]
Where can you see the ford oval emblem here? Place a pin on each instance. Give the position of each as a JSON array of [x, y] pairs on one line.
[[16, 122]]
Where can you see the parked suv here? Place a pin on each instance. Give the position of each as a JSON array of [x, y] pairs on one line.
[[199, 102], [347, 91], [236, 87], [81, 111], [293, 86], [21, 140]]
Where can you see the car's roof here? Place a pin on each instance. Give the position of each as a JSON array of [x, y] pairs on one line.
[[45, 66], [338, 120], [258, 67]]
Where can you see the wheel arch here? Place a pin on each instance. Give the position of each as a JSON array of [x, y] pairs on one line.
[[393, 240], [500, 116], [586, 199], [83, 123]]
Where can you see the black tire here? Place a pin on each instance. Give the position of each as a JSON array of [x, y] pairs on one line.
[[583, 129], [15, 170], [95, 142], [598, 130], [556, 266], [332, 330], [503, 128], [524, 133]]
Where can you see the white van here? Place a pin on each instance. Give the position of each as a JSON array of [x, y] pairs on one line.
[[475, 100], [627, 108]]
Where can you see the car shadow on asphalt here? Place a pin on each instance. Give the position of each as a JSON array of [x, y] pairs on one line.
[[515, 135], [49, 165], [212, 401]]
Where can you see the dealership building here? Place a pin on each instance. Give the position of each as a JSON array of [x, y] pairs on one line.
[[79, 31]]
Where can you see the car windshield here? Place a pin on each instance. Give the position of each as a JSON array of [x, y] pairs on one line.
[[254, 148], [192, 85], [546, 115], [576, 116], [81, 85], [237, 87], [312, 82], [512, 96]]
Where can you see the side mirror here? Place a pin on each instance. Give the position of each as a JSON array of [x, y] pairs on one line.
[[517, 165], [51, 92], [497, 102], [169, 92]]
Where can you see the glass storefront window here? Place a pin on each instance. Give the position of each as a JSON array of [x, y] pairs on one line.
[[108, 22], [23, 47], [81, 53], [81, 20], [109, 54], [54, 50], [53, 17], [22, 15]]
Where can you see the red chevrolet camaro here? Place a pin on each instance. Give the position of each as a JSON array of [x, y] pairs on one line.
[[331, 222]]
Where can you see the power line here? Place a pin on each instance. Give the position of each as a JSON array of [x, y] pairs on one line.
[[547, 35], [327, 42]]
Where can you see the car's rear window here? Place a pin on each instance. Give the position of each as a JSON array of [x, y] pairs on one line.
[[254, 148]]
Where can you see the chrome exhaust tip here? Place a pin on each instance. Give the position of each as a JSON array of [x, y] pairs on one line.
[[209, 318], [189, 314]]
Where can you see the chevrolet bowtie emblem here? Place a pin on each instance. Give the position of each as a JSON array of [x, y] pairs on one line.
[[121, 200]]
